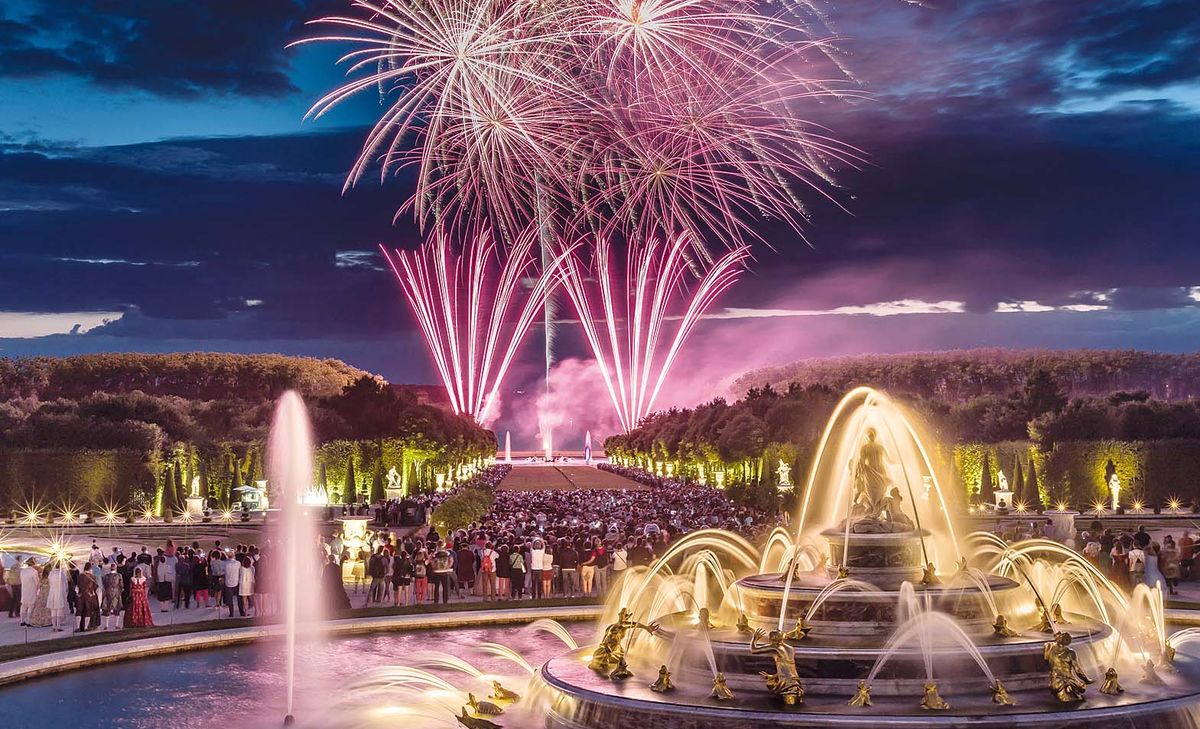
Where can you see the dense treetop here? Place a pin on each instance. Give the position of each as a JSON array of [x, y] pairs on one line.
[[959, 376], [192, 375]]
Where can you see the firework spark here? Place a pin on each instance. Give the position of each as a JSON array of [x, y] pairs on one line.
[[635, 118], [473, 309], [628, 320]]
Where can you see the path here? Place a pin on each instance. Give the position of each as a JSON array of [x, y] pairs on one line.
[[543, 477]]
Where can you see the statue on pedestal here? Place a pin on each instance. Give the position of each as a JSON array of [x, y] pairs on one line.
[[720, 690], [931, 699], [664, 683], [876, 504], [1112, 684]]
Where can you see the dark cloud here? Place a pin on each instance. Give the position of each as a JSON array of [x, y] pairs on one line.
[[172, 48], [985, 57]]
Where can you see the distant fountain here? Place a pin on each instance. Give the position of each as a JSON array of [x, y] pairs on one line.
[[587, 448], [507, 447], [290, 467]]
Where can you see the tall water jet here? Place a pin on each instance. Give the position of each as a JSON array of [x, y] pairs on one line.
[[507, 446], [587, 447], [290, 475]]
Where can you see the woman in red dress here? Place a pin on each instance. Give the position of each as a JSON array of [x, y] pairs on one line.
[[141, 617]]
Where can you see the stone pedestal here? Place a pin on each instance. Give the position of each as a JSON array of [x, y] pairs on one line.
[[195, 505]]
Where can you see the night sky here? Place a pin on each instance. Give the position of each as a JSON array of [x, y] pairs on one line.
[[1034, 182]]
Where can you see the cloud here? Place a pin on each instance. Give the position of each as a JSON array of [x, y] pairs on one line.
[[170, 48], [26, 324]]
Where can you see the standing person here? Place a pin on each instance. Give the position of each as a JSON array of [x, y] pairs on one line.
[[568, 559], [87, 602], [57, 600], [1168, 562], [537, 554], [465, 570], [112, 586], [487, 571], [162, 585], [246, 587], [620, 561], [233, 577], [402, 577], [601, 557], [139, 600], [183, 579], [587, 571], [12, 579], [1120, 562], [503, 572], [29, 589], [264, 585], [216, 577], [376, 570], [516, 564], [1187, 555], [443, 566], [1153, 574], [40, 618], [334, 587], [420, 576], [200, 579]]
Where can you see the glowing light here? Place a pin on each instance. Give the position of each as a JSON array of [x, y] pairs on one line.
[[148, 516], [1175, 504], [625, 319], [473, 317], [227, 516], [1021, 507], [1062, 506], [1098, 507], [1137, 507]]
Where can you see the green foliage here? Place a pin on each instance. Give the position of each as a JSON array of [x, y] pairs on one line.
[[86, 478], [463, 508]]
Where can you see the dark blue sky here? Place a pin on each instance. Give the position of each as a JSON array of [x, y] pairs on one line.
[[1035, 177]]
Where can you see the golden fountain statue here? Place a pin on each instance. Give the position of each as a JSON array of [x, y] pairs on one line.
[[500, 693], [862, 695], [785, 682], [797, 633], [1000, 695], [621, 672], [471, 722], [1067, 679], [843, 573], [1000, 628], [486, 708], [743, 624], [1057, 613], [1168, 654], [612, 646], [720, 690], [1111, 686], [663, 684], [1150, 676], [929, 575], [1045, 624], [931, 699]]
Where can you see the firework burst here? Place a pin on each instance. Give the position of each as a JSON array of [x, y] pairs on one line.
[[630, 117], [473, 310], [636, 324]]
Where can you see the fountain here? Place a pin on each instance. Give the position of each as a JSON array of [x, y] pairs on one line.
[[290, 465], [875, 609]]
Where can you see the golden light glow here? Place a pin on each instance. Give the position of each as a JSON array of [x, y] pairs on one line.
[[1021, 507], [1175, 504], [148, 516], [1098, 507], [1062, 506], [227, 516], [1137, 507]]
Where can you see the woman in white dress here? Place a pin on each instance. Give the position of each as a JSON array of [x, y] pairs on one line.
[[246, 585], [56, 601]]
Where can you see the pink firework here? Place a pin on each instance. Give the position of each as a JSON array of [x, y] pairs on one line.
[[636, 324], [636, 118], [473, 309]]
